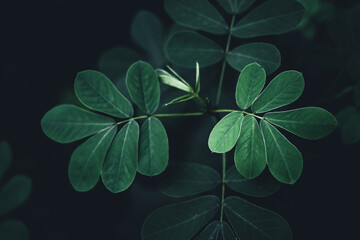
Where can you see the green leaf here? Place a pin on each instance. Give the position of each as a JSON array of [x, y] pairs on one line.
[[345, 114], [119, 169], [14, 193], [197, 78], [265, 54], [87, 160], [226, 233], [186, 179], [284, 89], [284, 159], [181, 220], [185, 48], [67, 123], [13, 230], [198, 15], [350, 130], [250, 154], [356, 95], [154, 148], [226, 132], [253, 222], [5, 157], [143, 86], [235, 6], [309, 122], [171, 80], [210, 232], [97, 92], [262, 186], [250, 83], [180, 99], [270, 18]]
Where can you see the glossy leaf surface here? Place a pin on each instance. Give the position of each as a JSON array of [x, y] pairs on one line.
[[181, 220], [5, 157], [235, 6], [13, 230], [97, 92], [188, 179], [67, 123]]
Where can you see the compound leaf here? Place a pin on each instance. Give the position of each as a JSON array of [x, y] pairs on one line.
[[262, 186], [14, 193], [210, 232], [198, 15], [181, 220], [253, 222], [284, 159], [250, 83], [265, 54], [226, 132], [185, 48], [87, 159], [98, 93], [235, 6], [119, 169], [250, 154], [13, 230], [188, 179], [143, 86], [153, 148], [284, 89], [67, 123], [270, 18], [5, 157], [309, 122]]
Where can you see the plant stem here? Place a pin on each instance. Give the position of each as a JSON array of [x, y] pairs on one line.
[[223, 186], [218, 95]]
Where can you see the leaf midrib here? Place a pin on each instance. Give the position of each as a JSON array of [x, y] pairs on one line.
[[121, 160]]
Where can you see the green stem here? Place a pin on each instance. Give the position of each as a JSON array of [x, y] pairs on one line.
[[218, 95], [223, 186]]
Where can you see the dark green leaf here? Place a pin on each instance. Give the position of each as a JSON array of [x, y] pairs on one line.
[[350, 130], [180, 221], [253, 222], [284, 89], [250, 154], [143, 86], [13, 230], [67, 123], [210, 232], [262, 186], [356, 95], [284, 159], [250, 83], [265, 54], [226, 233], [270, 18], [198, 15], [226, 132], [187, 179], [5, 157], [97, 92], [185, 48], [235, 6], [87, 160], [154, 148], [14, 193], [309, 122], [121, 161]]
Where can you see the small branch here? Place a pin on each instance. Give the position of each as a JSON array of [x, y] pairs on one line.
[[223, 187]]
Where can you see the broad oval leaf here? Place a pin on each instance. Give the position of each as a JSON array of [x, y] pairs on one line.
[[235, 6], [198, 15], [250, 83], [98, 93], [185, 48], [265, 54], [87, 160], [14, 193], [226, 132], [250, 154], [309, 122], [13, 230], [153, 148], [143, 86], [284, 89], [119, 169], [253, 222], [210, 232], [186, 179], [262, 186], [270, 18], [5, 157], [284, 159], [67, 123], [181, 220]]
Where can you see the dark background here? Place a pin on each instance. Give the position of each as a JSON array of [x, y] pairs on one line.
[[44, 45]]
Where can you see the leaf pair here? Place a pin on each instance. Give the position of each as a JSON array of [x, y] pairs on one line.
[[257, 147]]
